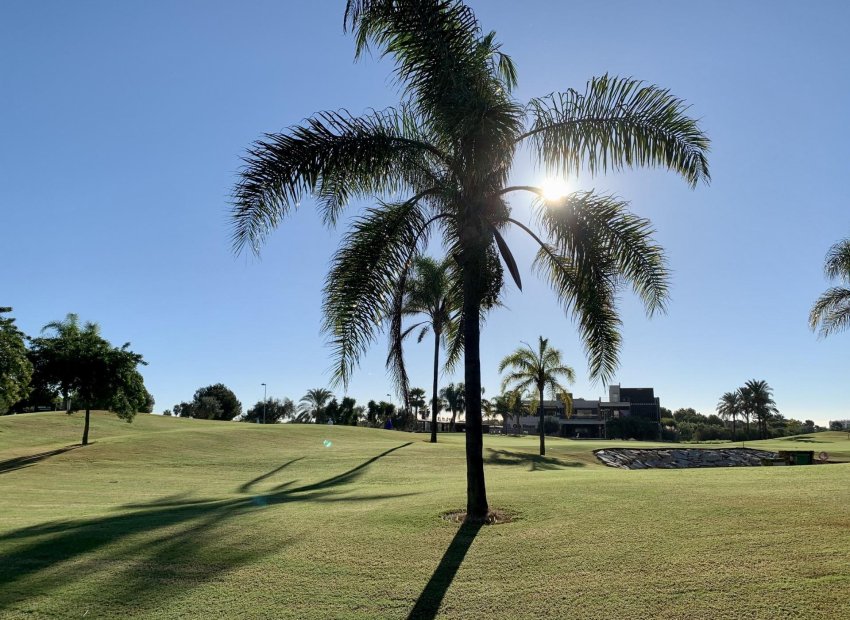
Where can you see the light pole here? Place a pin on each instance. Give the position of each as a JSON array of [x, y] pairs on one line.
[[264, 402]]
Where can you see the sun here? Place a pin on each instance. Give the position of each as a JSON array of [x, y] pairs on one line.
[[554, 189]]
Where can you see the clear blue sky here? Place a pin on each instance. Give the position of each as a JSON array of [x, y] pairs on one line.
[[121, 130]]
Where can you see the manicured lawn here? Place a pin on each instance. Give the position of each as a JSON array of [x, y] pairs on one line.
[[175, 518]]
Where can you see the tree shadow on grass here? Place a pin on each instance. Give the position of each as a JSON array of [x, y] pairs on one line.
[[428, 603], [248, 485], [31, 459], [179, 545], [534, 461]]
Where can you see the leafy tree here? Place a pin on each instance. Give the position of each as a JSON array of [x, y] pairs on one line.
[[831, 311], [537, 369], [455, 397], [729, 408], [273, 410], [15, 366], [511, 404], [167, 413], [183, 410], [758, 400], [449, 149], [89, 370], [345, 412], [313, 404], [228, 407], [378, 413]]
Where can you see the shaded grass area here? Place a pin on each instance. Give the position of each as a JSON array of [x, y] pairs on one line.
[[184, 518]]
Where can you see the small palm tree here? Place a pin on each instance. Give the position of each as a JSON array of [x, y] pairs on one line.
[[416, 398], [729, 408], [832, 309], [511, 405], [455, 397], [759, 399], [313, 404], [431, 293], [538, 369]]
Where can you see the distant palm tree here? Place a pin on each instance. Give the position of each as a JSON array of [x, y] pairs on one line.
[[832, 309], [759, 399], [729, 408], [313, 404], [511, 405], [416, 398], [430, 292], [440, 163], [455, 397], [540, 369], [67, 331]]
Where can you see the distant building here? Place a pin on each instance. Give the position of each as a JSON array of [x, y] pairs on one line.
[[589, 419]]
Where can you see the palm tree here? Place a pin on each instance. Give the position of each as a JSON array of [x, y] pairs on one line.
[[760, 401], [416, 398], [313, 403], [447, 150], [729, 407], [538, 369], [429, 292], [510, 404], [832, 309], [455, 397], [65, 333]]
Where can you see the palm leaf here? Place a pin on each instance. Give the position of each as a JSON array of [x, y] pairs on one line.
[[615, 123]]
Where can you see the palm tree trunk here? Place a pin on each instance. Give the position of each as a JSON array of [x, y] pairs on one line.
[[434, 391], [452, 424], [542, 424], [476, 492], [733, 428], [86, 428]]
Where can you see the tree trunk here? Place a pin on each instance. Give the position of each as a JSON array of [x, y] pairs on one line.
[[452, 423], [542, 424], [86, 428], [434, 391], [733, 428], [476, 492]]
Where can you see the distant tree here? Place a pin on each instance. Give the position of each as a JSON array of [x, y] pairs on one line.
[[537, 369], [416, 398], [757, 397], [377, 413], [183, 410], [831, 311], [273, 409], [511, 404], [15, 366], [150, 402], [89, 370], [167, 412], [455, 397], [226, 406], [313, 404], [729, 408]]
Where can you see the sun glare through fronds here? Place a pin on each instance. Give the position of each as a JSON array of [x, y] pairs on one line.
[[554, 189]]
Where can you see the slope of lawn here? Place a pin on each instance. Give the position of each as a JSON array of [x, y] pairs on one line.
[[175, 518]]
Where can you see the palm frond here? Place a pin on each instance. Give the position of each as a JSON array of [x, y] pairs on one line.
[[831, 312], [837, 263], [363, 282], [592, 228], [589, 296], [334, 155], [615, 123]]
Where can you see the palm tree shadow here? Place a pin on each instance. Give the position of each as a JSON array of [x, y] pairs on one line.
[[176, 531], [248, 485], [534, 461], [428, 603], [31, 459]]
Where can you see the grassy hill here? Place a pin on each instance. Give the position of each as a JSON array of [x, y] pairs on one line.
[[178, 518]]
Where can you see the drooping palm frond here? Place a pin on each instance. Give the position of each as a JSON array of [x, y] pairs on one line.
[[831, 311], [837, 263], [335, 155], [588, 294], [591, 228], [617, 123], [364, 278]]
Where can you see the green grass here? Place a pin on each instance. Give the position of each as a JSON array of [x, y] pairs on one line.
[[176, 518]]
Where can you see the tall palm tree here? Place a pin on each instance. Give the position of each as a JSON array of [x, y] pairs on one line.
[[448, 150], [455, 397], [539, 369], [430, 292], [832, 309], [729, 408], [313, 403], [760, 401]]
